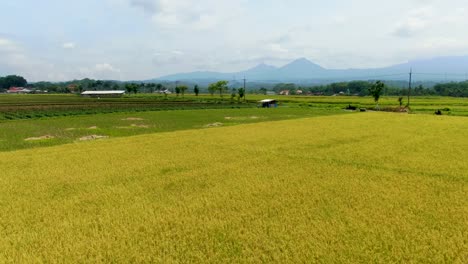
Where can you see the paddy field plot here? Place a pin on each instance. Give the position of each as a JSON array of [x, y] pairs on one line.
[[36, 133], [357, 188]]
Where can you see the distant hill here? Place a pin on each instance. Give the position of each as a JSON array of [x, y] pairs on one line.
[[442, 68]]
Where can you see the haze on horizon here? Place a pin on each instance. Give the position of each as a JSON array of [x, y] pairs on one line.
[[141, 39]]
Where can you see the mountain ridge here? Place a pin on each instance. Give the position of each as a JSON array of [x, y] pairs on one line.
[[451, 67]]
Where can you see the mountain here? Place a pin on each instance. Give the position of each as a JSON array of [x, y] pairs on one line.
[[442, 68], [261, 69], [300, 68]]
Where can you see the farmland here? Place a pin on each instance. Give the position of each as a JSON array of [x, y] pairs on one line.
[[31, 121], [43, 106], [14, 107], [21, 134], [363, 187], [147, 178]]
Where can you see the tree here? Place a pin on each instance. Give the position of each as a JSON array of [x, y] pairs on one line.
[[182, 89], [241, 93], [141, 87], [233, 94], [263, 90], [91, 84], [196, 90], [212, 88], [375, 91], [220, 86], [12, 81], [151, 86], [400, 100], [131, 87], [128, 87], [107, 85], [177, 90], [159, 87], [359, 87]]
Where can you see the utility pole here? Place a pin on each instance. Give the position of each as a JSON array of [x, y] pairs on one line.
[[245, 91], [409, 86]]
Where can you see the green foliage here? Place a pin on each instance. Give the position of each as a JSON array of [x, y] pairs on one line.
[[12, 81], [375, 90], [212, 88], [241, 92], [220, 86], [159, 87], [177, 90], [196, 90], [233, 93], [400, 101], [132, 87], [452, 89], [183, 89]]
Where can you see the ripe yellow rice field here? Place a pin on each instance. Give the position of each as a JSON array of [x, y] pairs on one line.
[[358, 188]]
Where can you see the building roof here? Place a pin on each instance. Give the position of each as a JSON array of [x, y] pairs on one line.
[[268, 101], [102, 92], [18, 90]]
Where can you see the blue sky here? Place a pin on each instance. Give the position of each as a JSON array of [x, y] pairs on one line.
[[141, 39]]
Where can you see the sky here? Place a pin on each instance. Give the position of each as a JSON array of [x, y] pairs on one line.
[[58, 40]]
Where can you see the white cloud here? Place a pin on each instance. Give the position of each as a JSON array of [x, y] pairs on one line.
[[278, 48], [417, 21], [147, 5], [103, 67], [199, 15], [10, 48], [156, 37], [177, 52], [104, 71], [69, 45]]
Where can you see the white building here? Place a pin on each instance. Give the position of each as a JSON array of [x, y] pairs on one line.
[[99, 94]]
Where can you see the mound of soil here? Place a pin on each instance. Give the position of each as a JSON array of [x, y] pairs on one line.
[[139, 126], [217, 124], [133, 119], [92, 137], [39, 138]]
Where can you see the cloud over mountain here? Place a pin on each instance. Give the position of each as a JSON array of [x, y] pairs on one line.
[[146, 38]]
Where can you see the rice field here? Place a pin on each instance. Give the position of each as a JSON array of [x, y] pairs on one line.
[[37, 106], [37, 133], [356, 188]]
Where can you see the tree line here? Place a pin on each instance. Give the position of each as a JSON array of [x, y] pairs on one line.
[[361, 88], [12, 81]]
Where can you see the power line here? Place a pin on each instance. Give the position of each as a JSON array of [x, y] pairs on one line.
[[441, 74], [369, 77]]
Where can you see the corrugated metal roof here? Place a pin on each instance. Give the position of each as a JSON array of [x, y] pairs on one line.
[[268, 101], [102, 92]]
